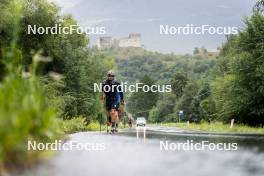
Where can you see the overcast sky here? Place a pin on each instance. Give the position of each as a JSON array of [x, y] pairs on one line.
[[121, 17]]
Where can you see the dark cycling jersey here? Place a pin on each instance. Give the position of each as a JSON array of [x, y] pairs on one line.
[[112, 95]]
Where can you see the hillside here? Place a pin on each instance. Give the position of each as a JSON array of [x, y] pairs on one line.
[[134, 63]]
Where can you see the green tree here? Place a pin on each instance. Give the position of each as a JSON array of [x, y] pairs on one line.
[[259, 7], [69, 53], [178, 83], [185, 101], [163, 111], [142, 102]]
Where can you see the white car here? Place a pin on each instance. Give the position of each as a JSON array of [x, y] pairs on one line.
[[141, 121]]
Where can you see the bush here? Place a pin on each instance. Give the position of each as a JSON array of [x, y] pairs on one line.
[[24, 115], [78, 124]]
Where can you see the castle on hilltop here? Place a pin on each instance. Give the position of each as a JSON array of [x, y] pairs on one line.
[[133, 40]]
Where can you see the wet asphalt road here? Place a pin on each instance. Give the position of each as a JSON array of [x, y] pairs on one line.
[[123, 154]]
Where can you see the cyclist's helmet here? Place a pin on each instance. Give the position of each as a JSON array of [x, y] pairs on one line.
[[110, 73]]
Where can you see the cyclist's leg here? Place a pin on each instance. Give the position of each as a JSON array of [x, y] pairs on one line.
[[108, 108], [117, 108], [114, 117], [117, 113], [113, 127]]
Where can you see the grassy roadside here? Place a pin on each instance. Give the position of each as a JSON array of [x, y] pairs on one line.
[[78, 125], [215, 127]]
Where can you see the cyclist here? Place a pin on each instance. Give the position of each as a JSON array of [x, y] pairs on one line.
[[130, 122], [113, 98]]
